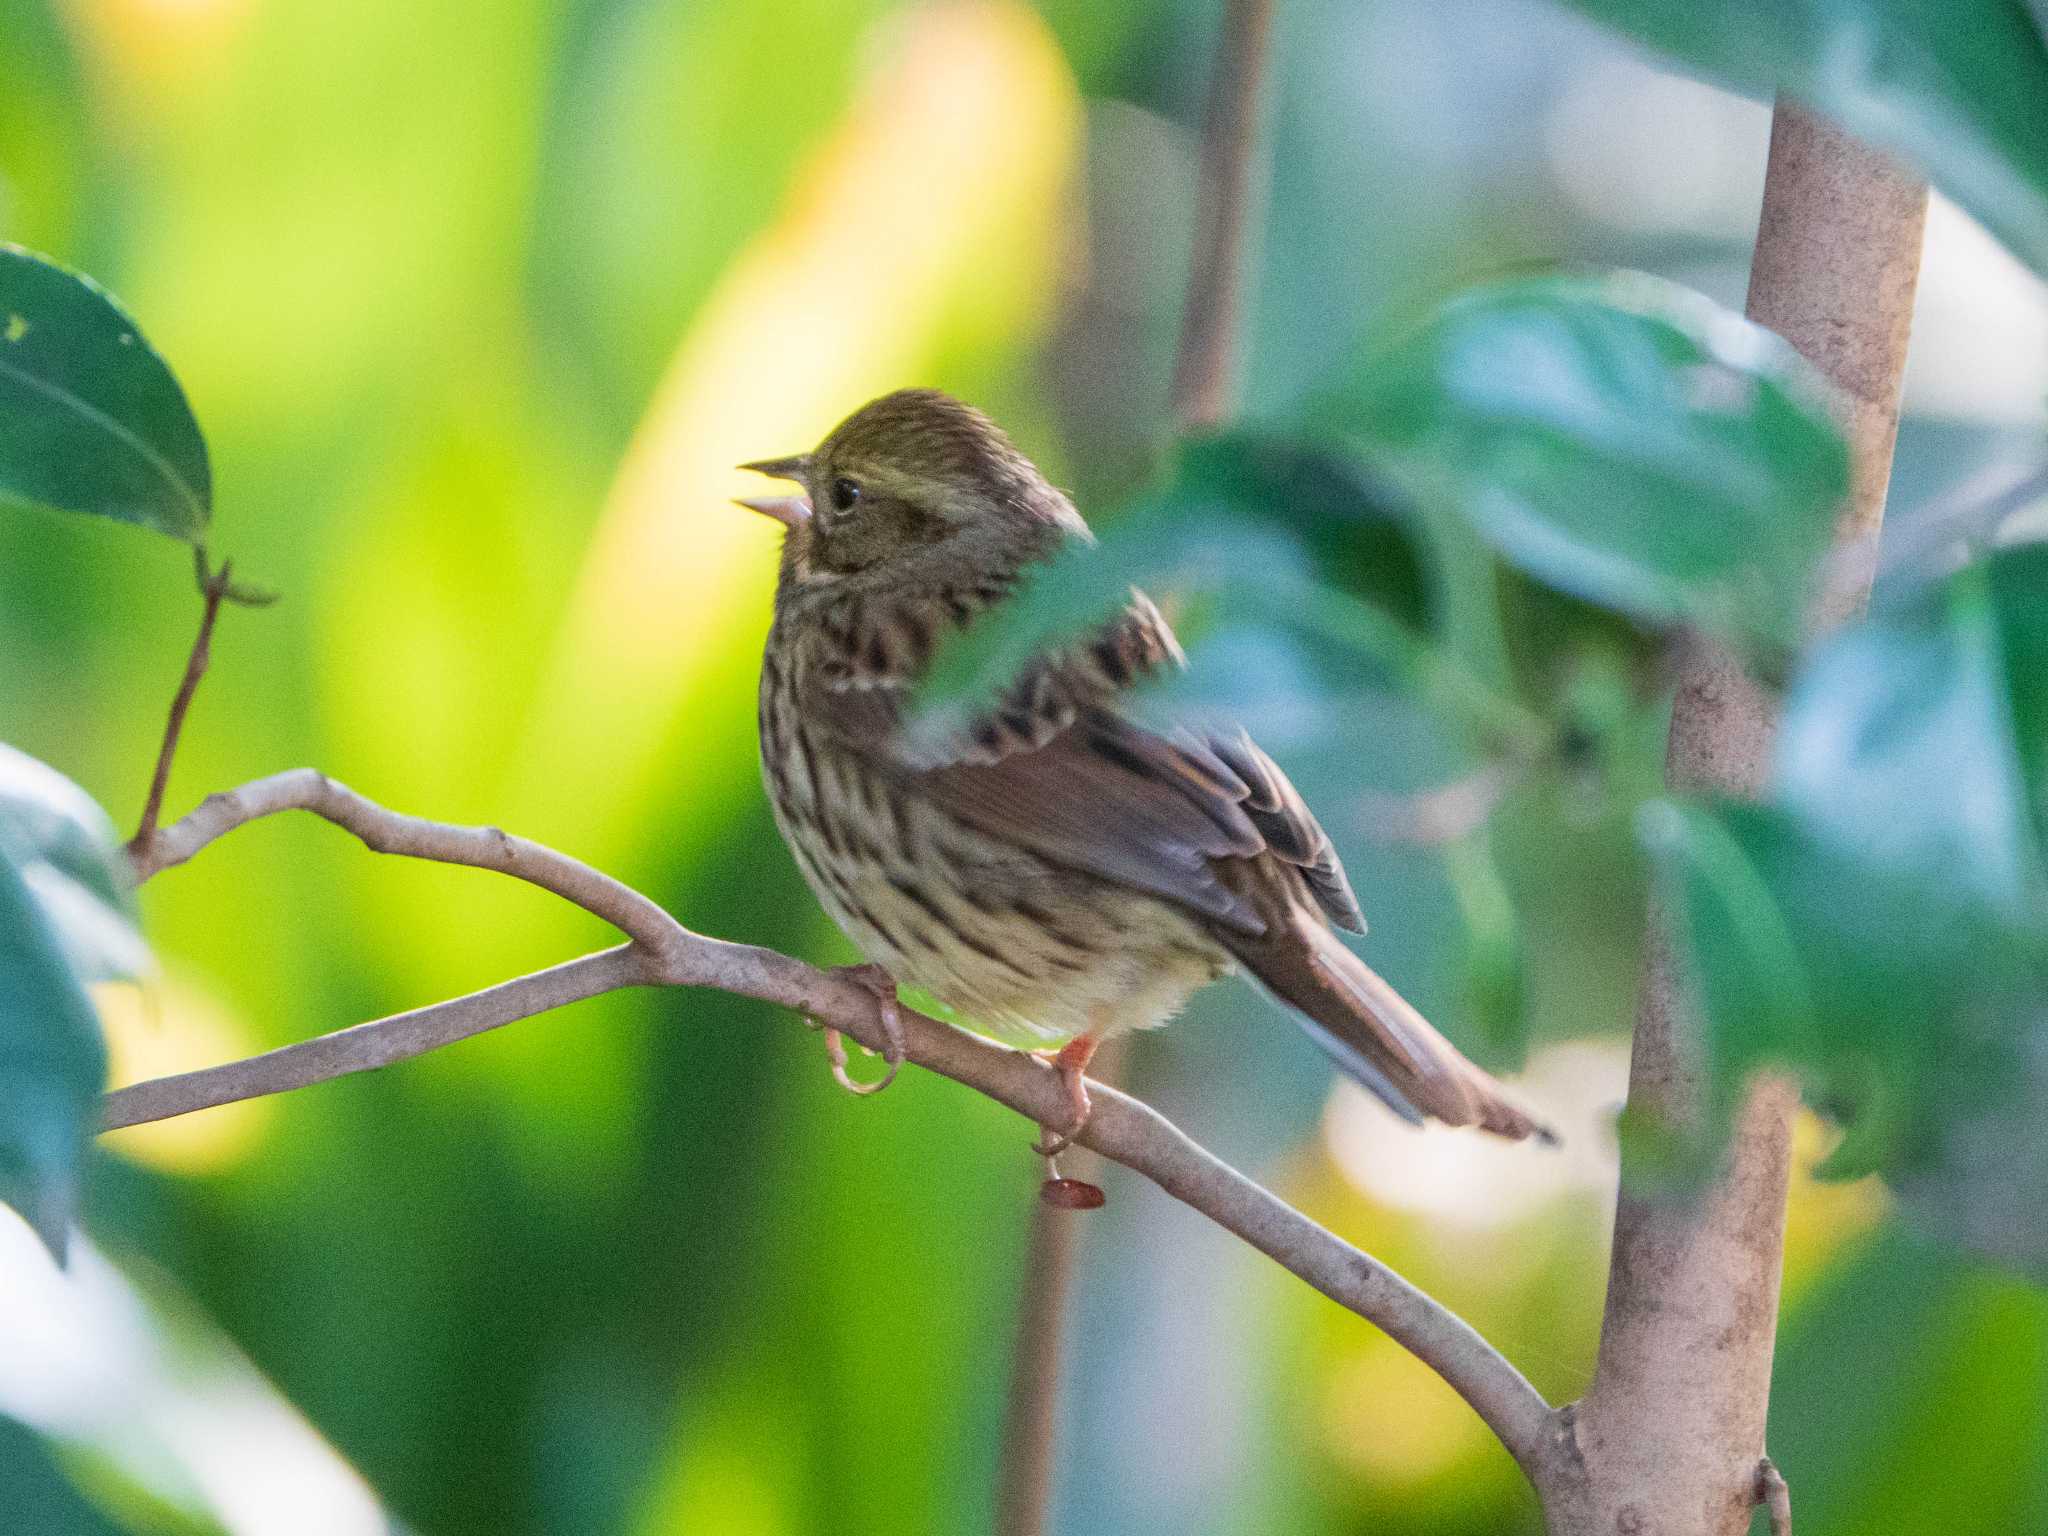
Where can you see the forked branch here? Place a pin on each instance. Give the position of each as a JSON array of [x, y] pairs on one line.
[[661, 952]]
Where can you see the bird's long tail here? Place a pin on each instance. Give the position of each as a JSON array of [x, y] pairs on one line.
[[1376, 1036]]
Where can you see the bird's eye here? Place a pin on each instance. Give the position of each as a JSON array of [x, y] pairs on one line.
[[845, 493]]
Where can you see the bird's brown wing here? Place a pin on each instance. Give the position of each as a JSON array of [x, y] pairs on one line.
[[1206, 821], [1052, 767]]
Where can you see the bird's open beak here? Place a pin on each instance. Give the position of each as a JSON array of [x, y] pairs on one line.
[[787, 510]]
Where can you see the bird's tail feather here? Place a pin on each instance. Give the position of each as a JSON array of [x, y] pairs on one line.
[[1377, 1037]]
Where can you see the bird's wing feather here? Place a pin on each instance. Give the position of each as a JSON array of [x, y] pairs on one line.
[[1052, 767]]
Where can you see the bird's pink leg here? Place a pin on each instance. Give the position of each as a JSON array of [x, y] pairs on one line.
[[882, 986], [1071, 1062]]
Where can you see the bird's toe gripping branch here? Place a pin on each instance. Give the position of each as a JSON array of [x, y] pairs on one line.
[[882, 986]]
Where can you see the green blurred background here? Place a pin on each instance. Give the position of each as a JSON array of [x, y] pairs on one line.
[[478, 303]]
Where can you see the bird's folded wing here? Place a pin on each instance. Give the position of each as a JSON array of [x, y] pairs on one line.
[[1054, 769]]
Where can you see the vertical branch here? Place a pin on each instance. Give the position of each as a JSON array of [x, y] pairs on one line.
[[1024, 1480], [1672, 1430], [1204, 387], [1204, 377]]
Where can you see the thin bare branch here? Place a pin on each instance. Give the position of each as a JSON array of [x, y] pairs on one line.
[[213, 588], [386, 831], [664, 953], [376, 1044]]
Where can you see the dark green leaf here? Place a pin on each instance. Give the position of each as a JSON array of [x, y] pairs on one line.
[[91, 419], [1904, 1002], [53, 1066], [1958, 86], [63, 846], [1623, 440]]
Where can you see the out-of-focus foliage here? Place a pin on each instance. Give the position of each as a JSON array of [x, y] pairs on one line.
[[1621, 440], [1954, 85], [52, 1065], [67, 917], [477, 328], [1880, 921], [62, 845]]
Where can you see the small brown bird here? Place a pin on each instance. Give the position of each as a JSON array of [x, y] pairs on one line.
[[1061, 874]]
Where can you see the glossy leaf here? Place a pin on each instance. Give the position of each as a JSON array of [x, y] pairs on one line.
[[91, 419], [1956, 86], [64, 848], [1621, 439]]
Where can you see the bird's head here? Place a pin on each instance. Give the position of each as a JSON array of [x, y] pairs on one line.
[[913, 487]]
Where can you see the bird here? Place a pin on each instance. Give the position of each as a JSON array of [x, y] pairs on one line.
[[1053, 871]]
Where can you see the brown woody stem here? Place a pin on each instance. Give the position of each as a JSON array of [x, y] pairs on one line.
[[1674, 1420]]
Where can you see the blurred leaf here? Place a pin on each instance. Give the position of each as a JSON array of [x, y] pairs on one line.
[[1916, 741], [1902, 1000], [1958, 86], [1916, 744], [52, 1066], [1249, 533], [64, 848], [91, 419], [1622, 439]]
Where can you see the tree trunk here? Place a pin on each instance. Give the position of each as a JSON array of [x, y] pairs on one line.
[[1670, 1437]]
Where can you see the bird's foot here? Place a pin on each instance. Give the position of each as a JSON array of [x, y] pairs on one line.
[[1071, 1062], [882, 987]]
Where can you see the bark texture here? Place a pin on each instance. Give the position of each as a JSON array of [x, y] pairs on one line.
[[1670, 1438]]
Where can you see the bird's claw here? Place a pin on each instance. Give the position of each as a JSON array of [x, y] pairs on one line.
[[882, 987]]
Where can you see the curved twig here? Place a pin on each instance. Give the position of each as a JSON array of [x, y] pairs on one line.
[[662, 952]]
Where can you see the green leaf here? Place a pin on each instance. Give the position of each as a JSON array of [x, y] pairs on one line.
[[1900, 1000], [1914, 741], [1264, 530], [1623, 440], [91, 419], [1957, 86], [65, 850], [53, 1066]]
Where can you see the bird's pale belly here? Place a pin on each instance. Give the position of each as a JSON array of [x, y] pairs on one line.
[[1023, 950]]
